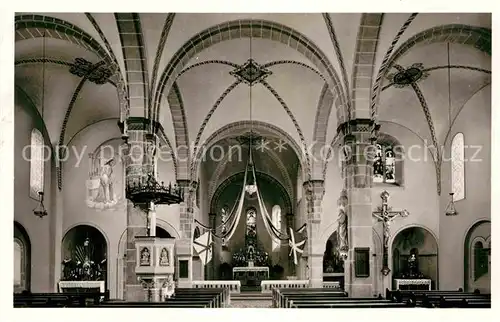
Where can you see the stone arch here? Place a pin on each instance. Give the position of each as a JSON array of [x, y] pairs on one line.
[[22, 241], [76, 234], [168, 227], [426, 243], [36, 26], [214, 180], [238, 177], [245, 28], [240, 128], [477, 37], [473, 235]]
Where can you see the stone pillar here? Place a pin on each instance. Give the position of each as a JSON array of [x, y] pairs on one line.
[[211, 265], [138, 151], [314, 196], [133, 152], [357, 174], [56, 233], [290, 218], [184, 247]]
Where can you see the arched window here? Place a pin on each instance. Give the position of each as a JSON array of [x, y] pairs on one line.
[[251, 223], [388, 161], [480, 260], [21, 259], [458, 167], [36, 163], [276, 220]]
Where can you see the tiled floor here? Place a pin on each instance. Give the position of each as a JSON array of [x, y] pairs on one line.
[[250, 304]]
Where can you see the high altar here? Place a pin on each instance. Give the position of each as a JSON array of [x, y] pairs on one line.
[[251, 275]]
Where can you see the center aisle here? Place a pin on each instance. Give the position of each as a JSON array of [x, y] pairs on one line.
[[251, 300]]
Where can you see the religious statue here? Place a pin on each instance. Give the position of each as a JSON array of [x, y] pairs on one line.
[[106, 182], [164, 258], [145, 257], [413, 271], [167, 287], [342, 225], [101, 190]]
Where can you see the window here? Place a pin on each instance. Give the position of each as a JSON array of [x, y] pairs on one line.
[[36, 163], [223, 217], [384, 165], [21, 259], [251, 223], [18, 264], [480, 260], [458, 167], [276, 220]]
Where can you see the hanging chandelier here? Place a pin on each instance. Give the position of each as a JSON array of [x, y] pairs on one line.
[[40, 211], [450, 209], [149, 190]]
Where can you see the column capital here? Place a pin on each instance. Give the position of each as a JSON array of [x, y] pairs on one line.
[[211, 215], [357, 125], [314, 188]]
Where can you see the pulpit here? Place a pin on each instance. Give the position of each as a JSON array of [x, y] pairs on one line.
[[155, 267]]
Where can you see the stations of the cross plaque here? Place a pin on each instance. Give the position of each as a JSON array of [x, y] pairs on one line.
[[386, 215]]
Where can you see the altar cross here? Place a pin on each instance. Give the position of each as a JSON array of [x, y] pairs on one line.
[[386, 215]]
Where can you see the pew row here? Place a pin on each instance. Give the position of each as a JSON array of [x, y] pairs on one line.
[[442, 298], [53, 300]]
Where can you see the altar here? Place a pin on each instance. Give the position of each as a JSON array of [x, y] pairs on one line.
[[81, 286], [250, 275], [413, 284]]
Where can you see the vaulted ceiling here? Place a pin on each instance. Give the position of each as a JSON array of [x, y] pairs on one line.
[[324, 69]]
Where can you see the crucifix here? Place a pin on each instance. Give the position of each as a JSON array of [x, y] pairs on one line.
[[386, 215]]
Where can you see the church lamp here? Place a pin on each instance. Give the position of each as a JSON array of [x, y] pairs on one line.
[[450, 209], [40, 208]]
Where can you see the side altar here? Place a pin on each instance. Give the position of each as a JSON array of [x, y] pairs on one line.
[[84, 270]]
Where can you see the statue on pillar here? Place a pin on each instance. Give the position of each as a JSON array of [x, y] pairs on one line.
[[342, 225]]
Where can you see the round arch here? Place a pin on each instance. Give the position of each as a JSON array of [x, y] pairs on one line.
[[427, 248], [76, 235], [238, 177], [468, 243], [22, 258]]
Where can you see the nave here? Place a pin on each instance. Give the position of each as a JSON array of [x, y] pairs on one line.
[[321, 160]]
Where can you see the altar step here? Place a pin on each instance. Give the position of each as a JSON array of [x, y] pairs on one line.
[[251, 300]]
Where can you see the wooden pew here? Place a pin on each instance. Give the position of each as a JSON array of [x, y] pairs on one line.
[[350, 303], [170, 303], [70, 299], [182, 298], [282, 297], [459, 300], [221, 295], [417, 296]]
